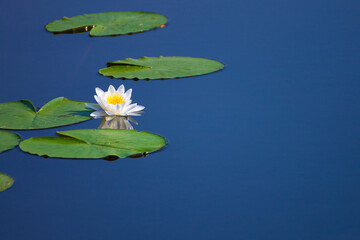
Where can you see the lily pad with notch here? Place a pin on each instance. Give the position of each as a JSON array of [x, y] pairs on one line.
[[108, 23], [5, 182], [8, 140], [60, 111], [160, 67], [94, 143]]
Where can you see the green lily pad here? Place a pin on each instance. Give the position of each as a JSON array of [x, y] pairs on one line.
[[5, 182], [94, 143], [58, 112], [8, 140], [160, 67], [108, 23]]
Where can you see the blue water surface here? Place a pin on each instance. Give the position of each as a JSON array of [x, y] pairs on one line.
[[267, 148]]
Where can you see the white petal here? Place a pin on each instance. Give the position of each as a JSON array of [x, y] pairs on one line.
[[127, 94], [128, 106], [118, 108], [127, 102], [99, 101], [134, 114], [111, 90], [104, 104], [93, 106], [123, 109], [98, 114], [106, 95], [121, 89], [135, 108], [138, 108], [110, 108], [109, 113], [99, 92]]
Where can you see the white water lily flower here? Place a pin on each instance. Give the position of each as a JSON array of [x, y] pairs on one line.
[[114, 103]]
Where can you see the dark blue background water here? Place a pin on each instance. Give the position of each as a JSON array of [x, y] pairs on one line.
[[268, 148]]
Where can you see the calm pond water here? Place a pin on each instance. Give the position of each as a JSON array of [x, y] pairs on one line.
[[267, 148]]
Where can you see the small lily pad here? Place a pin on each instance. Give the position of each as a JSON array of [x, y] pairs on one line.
[[5, 182], [94, 143], [8, 140], [108, 23], [160, 67], [58, 112]]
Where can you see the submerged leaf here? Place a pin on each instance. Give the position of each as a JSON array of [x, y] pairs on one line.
[[58, 112], [94, 143], [108, 23], [5, 182], [160, 67], [8, 140]]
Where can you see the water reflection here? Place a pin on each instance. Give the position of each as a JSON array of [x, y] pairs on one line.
[[117, 122]]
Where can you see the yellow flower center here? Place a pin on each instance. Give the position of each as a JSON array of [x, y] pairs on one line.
[[115, 99]]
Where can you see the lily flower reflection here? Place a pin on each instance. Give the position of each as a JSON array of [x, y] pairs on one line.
[[117, 122], [114, 103]]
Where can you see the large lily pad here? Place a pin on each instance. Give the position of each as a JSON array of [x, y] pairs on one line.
[[108, 23], [5, 182], [8, 140], [58, 112], [94, 143], [160, 67]]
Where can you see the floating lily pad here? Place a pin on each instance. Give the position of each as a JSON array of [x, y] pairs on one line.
[[5, 182], [108, 23], [94, 143], [58, 112], [160, 67], [8, 140]]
